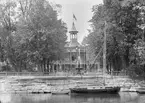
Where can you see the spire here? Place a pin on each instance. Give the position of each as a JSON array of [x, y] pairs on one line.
[[73, 35], [73, 29]]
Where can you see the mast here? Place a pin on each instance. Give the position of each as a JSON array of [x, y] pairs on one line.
[[104, 53]]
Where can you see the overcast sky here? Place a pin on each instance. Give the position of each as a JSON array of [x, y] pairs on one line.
[[83, 12]]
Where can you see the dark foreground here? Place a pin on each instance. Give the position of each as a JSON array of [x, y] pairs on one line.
[[73, 98]]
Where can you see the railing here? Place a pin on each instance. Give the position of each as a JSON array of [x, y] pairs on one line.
[[118, 73], [115, 73], [23, 73], [35, 74]]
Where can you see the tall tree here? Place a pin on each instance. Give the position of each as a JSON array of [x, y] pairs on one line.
[[8, 28], [122, 31], [47, 34], [36, 36]]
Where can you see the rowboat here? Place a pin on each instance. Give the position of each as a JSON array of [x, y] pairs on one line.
[[60, 92]]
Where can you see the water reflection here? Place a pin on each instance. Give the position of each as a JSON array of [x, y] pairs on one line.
[[95, 98], [5, 98], [124, 97], [129, 97], [30, 98]]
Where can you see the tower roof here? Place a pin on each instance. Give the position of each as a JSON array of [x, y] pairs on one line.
[[73, 29]]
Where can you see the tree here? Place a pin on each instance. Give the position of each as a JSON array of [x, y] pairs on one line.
[[122, 31], [38, 36], [46, 35], [7, 19]]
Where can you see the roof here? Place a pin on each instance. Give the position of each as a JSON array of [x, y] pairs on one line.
[[73, 29], [72, 44]]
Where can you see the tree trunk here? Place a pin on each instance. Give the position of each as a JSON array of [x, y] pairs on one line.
[[44, 65], [48, 65], [126, 56], [21, 66], [41, 67]]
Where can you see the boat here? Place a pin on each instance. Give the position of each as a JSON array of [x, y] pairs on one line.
[[95, 89], [83, 87], [60, 92], [98, 89], [60, 89]]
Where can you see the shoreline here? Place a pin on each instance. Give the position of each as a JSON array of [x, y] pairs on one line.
[[44, 84], [62, 77]]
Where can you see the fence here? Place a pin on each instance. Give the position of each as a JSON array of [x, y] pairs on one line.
[[119, 73], [23, 73], [115, 73]]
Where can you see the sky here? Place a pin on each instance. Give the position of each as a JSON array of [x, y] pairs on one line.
[[82, 9]]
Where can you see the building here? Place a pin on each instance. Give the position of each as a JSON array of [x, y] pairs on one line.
[[75, 52], [75, 56]]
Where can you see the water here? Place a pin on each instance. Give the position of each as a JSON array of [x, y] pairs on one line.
[[73, 98]]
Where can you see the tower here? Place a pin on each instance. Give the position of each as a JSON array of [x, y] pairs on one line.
[[73, 36]]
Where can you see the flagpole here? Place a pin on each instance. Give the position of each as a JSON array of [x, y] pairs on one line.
[[72, 18]]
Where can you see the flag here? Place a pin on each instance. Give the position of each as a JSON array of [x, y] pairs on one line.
[[74, 17]]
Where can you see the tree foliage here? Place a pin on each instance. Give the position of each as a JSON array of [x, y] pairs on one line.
[[35, 36], [123, 32]]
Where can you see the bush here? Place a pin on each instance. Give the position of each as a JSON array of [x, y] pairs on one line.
[[6, 68], [136, 71]]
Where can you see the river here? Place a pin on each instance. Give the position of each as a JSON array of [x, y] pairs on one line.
[[122, 97]]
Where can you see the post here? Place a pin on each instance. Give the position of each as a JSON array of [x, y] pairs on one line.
[[85, 57], [70, 61], [104, 53], [144, 34], [79, 57]]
